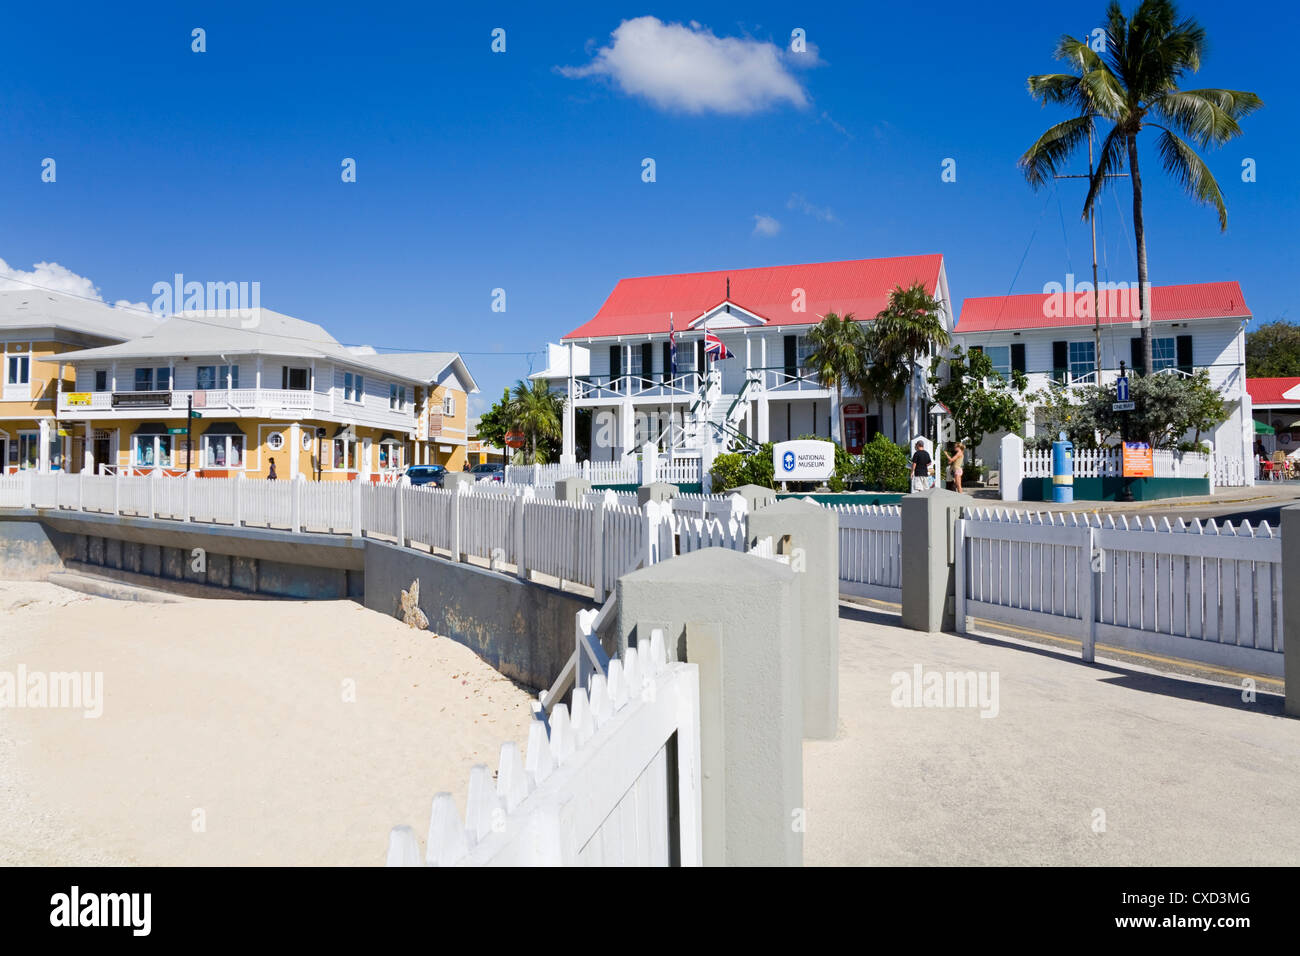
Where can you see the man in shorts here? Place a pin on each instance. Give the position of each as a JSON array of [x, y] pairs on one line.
[[921, 464]]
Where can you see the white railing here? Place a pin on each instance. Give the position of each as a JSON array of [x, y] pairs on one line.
[[1200, 592], [1109, 463], [631, 471], [597, 786]]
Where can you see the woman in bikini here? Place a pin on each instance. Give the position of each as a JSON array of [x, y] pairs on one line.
[[954, 460]]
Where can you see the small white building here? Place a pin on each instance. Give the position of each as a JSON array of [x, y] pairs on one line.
[[1054, 338]]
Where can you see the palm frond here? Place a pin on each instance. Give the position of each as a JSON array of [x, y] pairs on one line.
[[1041, 161], [1183, 164]]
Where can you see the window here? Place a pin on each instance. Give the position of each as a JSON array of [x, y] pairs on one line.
[[449, 405], [149, 451], [146, 378], [101, 380], [163, 378], [1083, 362], [224, 451], [345, 453], [20, 370], [275, 441], [354, 387], [295, 379], [397, 397], [1164, 353], [215, 376], [803, 348], [634, 362], [29, 450], [1000, 356]]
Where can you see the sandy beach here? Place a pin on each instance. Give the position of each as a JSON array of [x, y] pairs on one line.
[[235, 732]]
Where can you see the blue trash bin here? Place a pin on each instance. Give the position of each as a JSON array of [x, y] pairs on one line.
[[1062, 471]]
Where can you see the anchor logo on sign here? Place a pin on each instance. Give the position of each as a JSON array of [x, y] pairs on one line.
[[787, 461]]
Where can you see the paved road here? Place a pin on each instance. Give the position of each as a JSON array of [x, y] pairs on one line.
[[1082, 764]]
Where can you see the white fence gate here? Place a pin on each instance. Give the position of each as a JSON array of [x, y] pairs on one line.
[[1205, 593]]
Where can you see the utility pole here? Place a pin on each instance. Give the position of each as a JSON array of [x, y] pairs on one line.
[[1092, 222], [189, 429]]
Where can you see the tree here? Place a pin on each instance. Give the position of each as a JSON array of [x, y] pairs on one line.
[[1133, 85], [1167, 406], [978, 398], [839, 358], [539, 413], [495, 422], [887, 375], [1273, 351], [909, 327]]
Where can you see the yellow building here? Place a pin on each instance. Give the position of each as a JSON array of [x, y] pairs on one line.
[[36, 329], [261, 391]]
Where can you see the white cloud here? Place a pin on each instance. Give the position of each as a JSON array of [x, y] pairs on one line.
[[53, 277], [689, 68], [765, 226], [798, 202]]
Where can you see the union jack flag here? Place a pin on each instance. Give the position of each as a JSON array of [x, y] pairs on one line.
[[714, 350], [672, 348]]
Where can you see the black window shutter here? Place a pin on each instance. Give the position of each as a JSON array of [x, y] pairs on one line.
[[284, 377], [615, 361], [1060, 360], [699, 356], [791, 354], [1185, 353], [1018, 357], [668, 362], [1135, 355], [647, 360]]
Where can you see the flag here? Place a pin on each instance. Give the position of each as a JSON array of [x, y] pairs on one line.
[[672, 349], [714, 349]]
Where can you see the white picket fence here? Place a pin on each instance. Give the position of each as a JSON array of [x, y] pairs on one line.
[[630, 471], [614, 781], [590, 544], [1198, 592], [871, 551], [1109, 463]]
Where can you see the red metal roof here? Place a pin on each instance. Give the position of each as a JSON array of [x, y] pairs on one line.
[[1272, 391], [861, 286], [1169, 303]]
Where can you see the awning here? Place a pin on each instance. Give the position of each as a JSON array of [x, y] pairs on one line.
[[224, 428], [388, 439], [346, 431], [151, 428], [1262, 429]]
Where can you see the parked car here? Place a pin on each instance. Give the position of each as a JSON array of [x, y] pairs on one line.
[[426, 475], [489, 471]]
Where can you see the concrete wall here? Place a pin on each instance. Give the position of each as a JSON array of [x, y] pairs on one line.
[[523, 629]]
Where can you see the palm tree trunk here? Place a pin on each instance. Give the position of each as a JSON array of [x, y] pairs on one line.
[[1140, 238]]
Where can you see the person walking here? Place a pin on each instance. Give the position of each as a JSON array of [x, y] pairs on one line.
[[921, 464], [955, 462], [270, 474]]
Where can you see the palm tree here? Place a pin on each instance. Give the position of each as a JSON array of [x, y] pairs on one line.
[[839, 358], [537, 412], [1134, 84], [910, 327]]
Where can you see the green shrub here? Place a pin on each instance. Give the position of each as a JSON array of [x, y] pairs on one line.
[[729, 471], [884, 465]]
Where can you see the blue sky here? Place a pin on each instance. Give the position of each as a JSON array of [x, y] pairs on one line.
[[479, 170]]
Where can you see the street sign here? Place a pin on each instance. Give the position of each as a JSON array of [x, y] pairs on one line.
[[1122, 406], [177, 431], [1121, 389]]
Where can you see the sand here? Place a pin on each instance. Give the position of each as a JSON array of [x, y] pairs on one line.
[[227, 734]]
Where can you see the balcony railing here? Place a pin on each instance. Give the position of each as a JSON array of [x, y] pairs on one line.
[[636, 386], [233, 399], [783, 378]]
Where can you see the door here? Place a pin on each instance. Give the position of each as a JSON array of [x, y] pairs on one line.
[[103, 453]]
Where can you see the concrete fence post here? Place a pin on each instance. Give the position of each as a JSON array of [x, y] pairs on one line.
[[928, 560], [356, 507], [806, 536], [756, 496], [650, 521], [572, 490], [744, 639], [1291, 622], [1011, 468], [295, 516]]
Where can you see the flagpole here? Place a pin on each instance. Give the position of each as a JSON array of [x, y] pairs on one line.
[[672, 375]]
